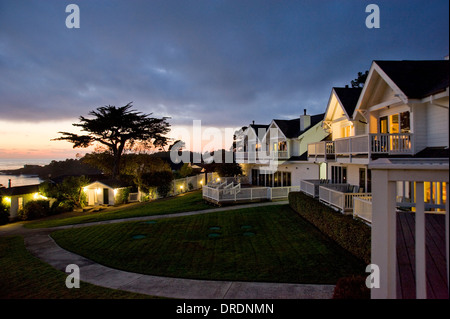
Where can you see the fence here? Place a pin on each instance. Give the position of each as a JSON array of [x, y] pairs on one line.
[[336, 195], [237, 193], [362, 208]]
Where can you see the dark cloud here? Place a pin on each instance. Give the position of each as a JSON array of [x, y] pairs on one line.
[[224, 62]]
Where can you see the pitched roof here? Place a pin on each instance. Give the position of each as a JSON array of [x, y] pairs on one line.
[[291, 128], [113, 183], [418, 79], [19, 190], [257, 126], [348, 97]]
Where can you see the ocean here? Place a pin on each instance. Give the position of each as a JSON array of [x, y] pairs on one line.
[[20, 180]]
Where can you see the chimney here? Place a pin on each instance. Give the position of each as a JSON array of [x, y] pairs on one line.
[[253, 122], [9, 183], [305, 121]]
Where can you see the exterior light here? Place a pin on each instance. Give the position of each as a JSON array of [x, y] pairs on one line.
[[115, 191], [218, 179], [201, 182], [181, 187], [7, 200], [99, 191], [37, 196], [85, 189]]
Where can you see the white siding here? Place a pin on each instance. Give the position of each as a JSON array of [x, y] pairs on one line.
[[419, 119], [437, 126]]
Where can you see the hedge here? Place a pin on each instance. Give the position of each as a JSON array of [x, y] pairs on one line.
[[351, 234]]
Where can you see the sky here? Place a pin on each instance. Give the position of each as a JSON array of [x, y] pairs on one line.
[[222, 62]]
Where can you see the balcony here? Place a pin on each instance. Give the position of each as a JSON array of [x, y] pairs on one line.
[[387, 144], [321, 150], [260, 157]]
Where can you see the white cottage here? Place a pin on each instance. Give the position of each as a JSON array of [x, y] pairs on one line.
[[104, 192]]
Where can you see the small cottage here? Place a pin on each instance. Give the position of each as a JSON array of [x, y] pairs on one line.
[[104, 192]]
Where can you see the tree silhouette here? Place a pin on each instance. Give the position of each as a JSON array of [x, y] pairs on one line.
[[118, 128], [360, 80]]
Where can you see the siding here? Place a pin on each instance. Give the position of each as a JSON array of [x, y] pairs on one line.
[[420, 121], [437, 126]]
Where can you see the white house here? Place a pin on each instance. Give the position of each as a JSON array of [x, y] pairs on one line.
[[16, 197], [104, 192], [395, 146], [275, 154], [402, 112]]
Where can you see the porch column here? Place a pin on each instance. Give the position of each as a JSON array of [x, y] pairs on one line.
[[421, 275], [384, 233], [447, 234]]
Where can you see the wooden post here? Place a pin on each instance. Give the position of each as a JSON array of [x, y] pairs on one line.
[[384, 232], [421, 275], [447, 234]]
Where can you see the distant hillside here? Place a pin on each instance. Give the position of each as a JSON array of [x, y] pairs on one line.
[[54, 169]]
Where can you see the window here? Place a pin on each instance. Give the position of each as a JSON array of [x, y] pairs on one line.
[[338, 174], [286, 179], [393, 124], [405, 126], [254, 177]]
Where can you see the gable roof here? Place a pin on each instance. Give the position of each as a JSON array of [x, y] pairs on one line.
[[291, 128], [19, 190], [112, 183], [417, 79], [348, 98]]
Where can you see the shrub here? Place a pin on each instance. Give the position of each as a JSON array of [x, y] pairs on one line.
[[4, 217], [4, 213], [34, 209], [122, 195], [353, 287], [60, 207], [349, 233]]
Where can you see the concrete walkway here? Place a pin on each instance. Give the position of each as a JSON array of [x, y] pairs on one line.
[[41, 245]]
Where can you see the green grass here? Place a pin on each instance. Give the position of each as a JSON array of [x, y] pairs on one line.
[[187, 202], [23, 276], [285, 247]]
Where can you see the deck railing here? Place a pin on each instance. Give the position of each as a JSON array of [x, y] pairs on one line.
[[362, 208], [376, 143], [339, 196], [238, 193]]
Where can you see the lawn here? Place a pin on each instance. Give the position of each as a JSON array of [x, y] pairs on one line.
[[182, 203], [23, 276], [271, 243]]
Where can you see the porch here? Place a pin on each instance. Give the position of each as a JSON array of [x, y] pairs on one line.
[[339, 196], [367, 145]]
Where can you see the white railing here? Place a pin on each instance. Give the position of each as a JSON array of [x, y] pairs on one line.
[[352, 145], [377, 143], [311, 186], [362, 208], [400, 143], [279, 154], [133, 197], [337, 196], [322, 149], [237, 193]]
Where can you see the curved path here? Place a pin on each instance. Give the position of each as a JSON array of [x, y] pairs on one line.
[[41, 245]]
